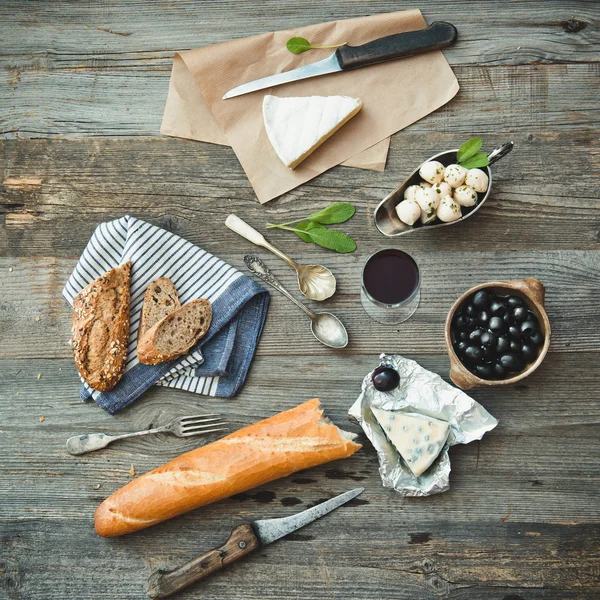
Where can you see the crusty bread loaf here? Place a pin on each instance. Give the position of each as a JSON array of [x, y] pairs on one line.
[[161, 299], [100, 328], [174, 335], [293, 440]]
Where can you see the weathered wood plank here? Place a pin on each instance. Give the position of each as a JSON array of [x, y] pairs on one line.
[[572, 278]]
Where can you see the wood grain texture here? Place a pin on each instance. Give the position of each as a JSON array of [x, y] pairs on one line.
[[521, 520]]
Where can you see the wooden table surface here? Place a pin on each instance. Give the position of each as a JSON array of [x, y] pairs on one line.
[[82, 89]]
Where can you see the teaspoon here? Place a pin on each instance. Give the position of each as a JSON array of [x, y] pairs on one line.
[[327, 328]]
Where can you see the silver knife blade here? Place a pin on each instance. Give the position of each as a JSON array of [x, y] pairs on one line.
[[270, 530], [322, 67]]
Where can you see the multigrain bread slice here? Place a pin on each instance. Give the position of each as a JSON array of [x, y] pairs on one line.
[[288, 442], [161, 299], [174, 335], [100, 328]]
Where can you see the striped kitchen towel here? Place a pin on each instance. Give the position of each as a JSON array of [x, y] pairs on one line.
[[218, 365]]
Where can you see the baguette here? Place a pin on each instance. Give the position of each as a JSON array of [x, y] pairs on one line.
[[100, 328], [174, 335], [290, 441], [161, 299]]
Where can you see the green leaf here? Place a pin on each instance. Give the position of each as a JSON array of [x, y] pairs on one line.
[[468, 149], [479, 160], [305, 237], [298, 45], [330, 239], [334, 213]]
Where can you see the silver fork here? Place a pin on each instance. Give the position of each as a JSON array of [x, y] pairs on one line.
[[181, 427]]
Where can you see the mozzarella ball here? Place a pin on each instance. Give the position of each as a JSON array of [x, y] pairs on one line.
[[455, 175], [428, 199], [426, 219], [424, 185], [465, 196], [409, 192], [432, 171], [477, 179], [443, 189], [448, 210], [408, 211]]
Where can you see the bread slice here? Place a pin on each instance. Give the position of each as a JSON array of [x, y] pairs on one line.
[[174, 335], [100, 328], [296, 127], [161, 299]]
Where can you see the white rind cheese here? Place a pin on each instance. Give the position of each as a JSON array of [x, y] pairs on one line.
[[418, 439], [298, 126]]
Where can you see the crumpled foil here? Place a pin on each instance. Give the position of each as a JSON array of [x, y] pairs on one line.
[[423, 392]]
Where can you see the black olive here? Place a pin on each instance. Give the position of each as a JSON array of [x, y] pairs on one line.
[[463, 336], [507, 318], [471, 321], [502, 344], [485, 371], [529, 353], [489, 352], [475, 335], [470, 310], [514, 332], [483, 318], [528, 328], [497, 308], [514, 301], [519, 314], [510, 362], [515, 346], [499, 370], [536, 339], [481, 299], [497, 325], [533, 318], [460, 348], [487, 338], [385, 379], [461, 323], [473, 354]]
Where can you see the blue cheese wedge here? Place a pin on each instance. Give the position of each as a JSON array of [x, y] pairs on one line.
[[296, 127], [418, 439]]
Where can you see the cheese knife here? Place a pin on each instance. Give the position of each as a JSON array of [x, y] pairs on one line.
[[400, 45], [243, 540]]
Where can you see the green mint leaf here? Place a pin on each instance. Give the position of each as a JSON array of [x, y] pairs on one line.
[[479, 160], [330, 239], [468, 149], [334, 213], [298, 45], [305, 237]]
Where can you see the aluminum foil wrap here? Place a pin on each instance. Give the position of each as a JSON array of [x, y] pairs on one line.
[[423, 392]]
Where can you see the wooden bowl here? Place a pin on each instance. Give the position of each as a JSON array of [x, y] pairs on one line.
[[533, 292]]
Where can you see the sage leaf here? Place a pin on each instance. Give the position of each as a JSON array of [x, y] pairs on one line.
[[338, 212], [298, 45], [301, 231], [477, 161], [330, 239], [468, 149]]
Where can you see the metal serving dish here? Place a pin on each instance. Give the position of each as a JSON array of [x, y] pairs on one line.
[[386, 219]]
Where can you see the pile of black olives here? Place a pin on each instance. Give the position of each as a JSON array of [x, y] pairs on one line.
[[495, 336]]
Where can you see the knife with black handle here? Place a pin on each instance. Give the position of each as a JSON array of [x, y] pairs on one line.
[[392, 47]]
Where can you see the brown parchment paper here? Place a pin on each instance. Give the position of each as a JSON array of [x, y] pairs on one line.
[[394, 94]]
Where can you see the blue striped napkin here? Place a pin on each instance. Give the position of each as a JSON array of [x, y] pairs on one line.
[[218, 365]]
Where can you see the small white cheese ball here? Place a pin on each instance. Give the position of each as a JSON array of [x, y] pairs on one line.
[[424, 185], [409, 192], [432, 171], [443, 189], [477, 179], [448, 210], [426, 219], [408, 212], [428, 199], [455, 175], [465, 196]]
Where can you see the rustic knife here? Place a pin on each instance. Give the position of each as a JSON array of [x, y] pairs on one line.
[[243, 540], [400, 45]]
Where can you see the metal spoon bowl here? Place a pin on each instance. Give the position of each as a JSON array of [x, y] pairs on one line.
[[314, 281], [326, 328]]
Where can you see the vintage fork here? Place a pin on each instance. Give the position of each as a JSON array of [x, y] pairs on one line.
[[181, 427]]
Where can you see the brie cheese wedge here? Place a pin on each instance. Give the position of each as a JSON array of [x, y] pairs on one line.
[[419, 439], [298, 126]]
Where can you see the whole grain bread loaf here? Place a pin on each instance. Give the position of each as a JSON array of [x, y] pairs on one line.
[[100, 328], [161, 299], [174, 335]]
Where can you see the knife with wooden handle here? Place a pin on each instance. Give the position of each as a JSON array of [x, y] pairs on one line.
[[392, 47], [243, 540]]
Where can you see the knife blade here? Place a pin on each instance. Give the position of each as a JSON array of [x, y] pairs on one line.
[[400, 45], [243, 540]]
